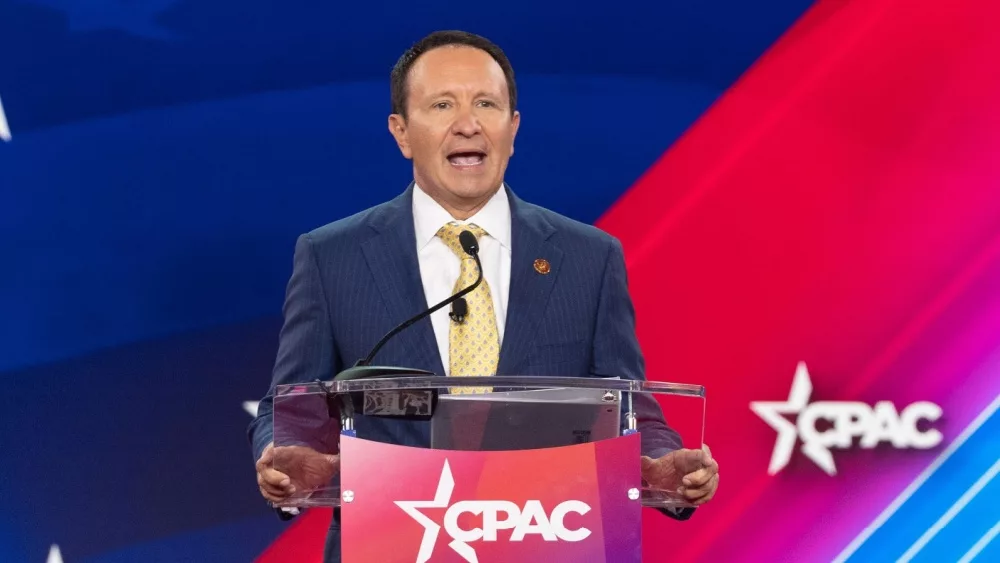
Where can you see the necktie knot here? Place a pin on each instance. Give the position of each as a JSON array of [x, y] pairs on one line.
[[449, 234]]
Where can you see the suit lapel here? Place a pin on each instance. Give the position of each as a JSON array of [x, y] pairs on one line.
[[529, 289], [392, 257]]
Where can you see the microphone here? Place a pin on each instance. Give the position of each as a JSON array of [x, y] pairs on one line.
[[470, 245], [459, 309], [363, 367]]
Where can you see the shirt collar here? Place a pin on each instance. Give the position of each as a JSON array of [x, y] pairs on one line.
[[429, 217]]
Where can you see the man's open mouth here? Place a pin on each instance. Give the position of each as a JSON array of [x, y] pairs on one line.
[[466, 158]]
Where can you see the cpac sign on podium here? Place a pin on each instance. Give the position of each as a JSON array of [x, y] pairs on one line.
[[555, 505]]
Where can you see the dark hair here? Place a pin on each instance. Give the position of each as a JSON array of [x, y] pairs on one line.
[[401, 71]]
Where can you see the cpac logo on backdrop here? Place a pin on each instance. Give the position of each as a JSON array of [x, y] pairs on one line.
[[846, 420], [496, 515]]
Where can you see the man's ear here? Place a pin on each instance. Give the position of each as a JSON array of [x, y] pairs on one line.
[[397, 126], [516, 123]]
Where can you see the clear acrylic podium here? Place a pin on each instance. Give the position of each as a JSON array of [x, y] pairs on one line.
[[503, 467]]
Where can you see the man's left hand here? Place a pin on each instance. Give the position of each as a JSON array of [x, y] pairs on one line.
[[693, 474]]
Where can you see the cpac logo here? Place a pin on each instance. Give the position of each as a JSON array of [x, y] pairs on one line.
[[531, 519], [847, 420]]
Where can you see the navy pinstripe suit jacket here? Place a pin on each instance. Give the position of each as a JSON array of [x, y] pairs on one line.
[[355, 279]]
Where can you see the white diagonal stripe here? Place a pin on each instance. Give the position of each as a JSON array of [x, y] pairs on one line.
[[952, 512], [4, 128], [918, 482], [981, 544]]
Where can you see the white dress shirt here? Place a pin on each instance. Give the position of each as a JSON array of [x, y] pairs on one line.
[[439, 267]]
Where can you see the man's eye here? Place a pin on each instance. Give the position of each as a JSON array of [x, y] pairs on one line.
[[442, 105], [486, 104]]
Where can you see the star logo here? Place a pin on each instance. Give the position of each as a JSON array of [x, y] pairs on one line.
[[251, 407], [772, 411], [442, 498], [847, 420], [530, 518], [4, 128]]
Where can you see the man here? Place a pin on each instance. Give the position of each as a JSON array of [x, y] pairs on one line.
[[554, 300]]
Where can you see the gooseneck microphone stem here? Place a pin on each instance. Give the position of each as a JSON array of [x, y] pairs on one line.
[[471, 247]]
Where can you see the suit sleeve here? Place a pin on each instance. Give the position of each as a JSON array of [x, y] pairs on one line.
[[617, 354], [305, 350]]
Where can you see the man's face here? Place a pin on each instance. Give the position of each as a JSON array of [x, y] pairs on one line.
[[459, 129]]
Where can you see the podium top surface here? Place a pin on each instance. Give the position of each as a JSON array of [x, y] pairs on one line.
[[509, 383]]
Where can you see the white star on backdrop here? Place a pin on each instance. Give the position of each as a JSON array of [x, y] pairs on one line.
[[772, 411], [251, 407], [4, 128]]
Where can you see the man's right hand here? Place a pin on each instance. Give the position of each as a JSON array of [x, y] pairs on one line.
[[309, 471], [274, 485]]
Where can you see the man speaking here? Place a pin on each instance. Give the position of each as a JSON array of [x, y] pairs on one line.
[[554, 299]]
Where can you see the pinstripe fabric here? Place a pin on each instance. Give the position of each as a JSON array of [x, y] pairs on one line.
[[355, 279]]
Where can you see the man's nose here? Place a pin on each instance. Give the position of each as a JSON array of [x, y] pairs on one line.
[[466, 123]]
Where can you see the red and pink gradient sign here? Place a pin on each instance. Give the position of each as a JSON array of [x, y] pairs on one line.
[[556, 505], [837, 207]]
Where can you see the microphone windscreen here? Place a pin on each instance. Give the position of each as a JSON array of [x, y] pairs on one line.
[[469, 243]]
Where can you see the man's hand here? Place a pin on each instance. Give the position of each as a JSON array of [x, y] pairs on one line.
[[693, 474], [274, 485], [307, 470]]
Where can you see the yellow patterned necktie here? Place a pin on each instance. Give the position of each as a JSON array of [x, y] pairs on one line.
[[473, 345]]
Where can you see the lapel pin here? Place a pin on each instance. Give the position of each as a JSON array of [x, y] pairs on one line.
[[542, 266]]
